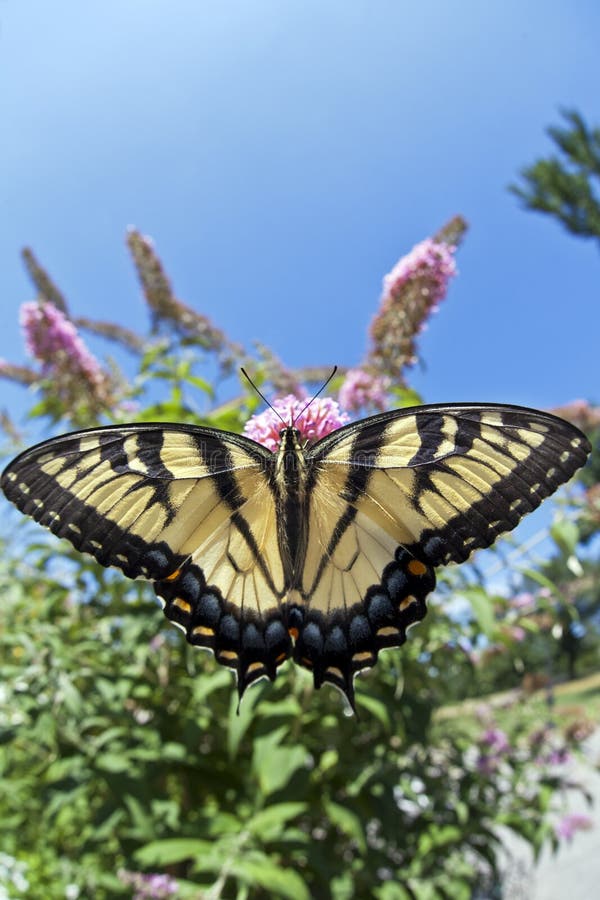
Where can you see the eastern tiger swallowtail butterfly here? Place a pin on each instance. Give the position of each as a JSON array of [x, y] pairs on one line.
[[323, 552]]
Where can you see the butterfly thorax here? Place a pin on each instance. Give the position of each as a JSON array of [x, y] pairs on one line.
[[290, 483]]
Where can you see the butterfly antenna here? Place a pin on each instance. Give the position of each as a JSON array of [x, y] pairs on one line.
[[320, 391], [260, 394]]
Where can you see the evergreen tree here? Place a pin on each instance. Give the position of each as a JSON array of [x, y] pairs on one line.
[[568, 185]]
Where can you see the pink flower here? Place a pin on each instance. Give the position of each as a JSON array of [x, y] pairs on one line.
[[487, 763], [559, 756], [494, 744], [51, 338], [569, 824], [362, 389], [411, 292], [517, 633], [524, 600], [496, 740], [427, 260], [75, 382], [149, 887], [322, 416]]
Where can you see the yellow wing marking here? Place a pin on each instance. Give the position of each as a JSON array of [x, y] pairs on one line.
[[248, 574], [341, 578]]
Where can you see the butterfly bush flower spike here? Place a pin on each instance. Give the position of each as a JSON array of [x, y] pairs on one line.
[[167, 309], [76, 379], [363, 390], [50, 335], [428, 260], [320, 418], [411, 292]]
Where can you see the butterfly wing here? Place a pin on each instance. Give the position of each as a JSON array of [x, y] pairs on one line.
[[399, 493], [188, 508]]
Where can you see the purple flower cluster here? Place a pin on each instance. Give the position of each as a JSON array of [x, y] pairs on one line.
[[494, 744], [322, 416], [362, 389], [149, 887], [51, 338], [76, 380], [411, 292], [549, 746], [523, 601], [566, 827], [430, 262]]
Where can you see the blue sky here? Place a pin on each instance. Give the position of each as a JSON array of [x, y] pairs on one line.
[[283, 155]]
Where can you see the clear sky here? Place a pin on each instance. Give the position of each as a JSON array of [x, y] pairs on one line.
[[283, 155]]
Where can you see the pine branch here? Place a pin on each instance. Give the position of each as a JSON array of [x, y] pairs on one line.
[[566, 186]]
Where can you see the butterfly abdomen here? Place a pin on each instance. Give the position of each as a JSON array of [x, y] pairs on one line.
[[290, 485]]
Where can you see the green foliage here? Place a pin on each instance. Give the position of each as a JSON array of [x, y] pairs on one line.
[[567, 186], [123, 750]]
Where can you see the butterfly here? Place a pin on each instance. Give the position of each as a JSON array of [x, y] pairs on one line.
[[322, 552]]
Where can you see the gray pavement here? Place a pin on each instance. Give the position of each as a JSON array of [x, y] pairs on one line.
[[573, 873]]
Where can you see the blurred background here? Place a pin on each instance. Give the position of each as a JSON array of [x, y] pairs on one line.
[[280, 158]]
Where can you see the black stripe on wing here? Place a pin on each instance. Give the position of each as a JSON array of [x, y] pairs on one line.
[[508, 497], [510, 458], [364, 447]]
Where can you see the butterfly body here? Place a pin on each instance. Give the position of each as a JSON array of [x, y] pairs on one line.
[[322, 552]]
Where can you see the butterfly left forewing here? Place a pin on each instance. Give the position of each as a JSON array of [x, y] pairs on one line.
[[187, 508]]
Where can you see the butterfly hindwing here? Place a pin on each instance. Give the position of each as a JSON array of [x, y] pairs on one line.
[[228, 594]]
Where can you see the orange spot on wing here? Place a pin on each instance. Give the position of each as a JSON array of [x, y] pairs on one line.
[[416, 567], [182, 605], [173, 576]]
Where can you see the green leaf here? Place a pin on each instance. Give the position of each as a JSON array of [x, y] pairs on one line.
[[278, 881], [173, 850], [482, 609], [273, 764], [544, 581], [269, 824], [241, 715], [405, 397], [566, 534], [392, 890], [112, 762], [201, 384], [376, 707], [347, 822]]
